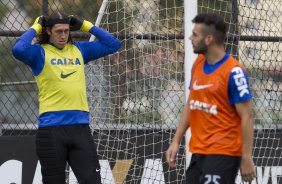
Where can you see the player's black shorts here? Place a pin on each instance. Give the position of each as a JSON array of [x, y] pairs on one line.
[[74, 144], [212, 169]]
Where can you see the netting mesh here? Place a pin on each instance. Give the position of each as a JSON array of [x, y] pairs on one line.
[[139, 91], [136, 95]]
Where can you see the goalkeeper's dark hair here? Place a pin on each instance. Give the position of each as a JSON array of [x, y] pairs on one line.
[[54, 18], [215, 23]]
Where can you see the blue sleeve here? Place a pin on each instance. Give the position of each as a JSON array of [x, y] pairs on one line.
[[30, 54], [238, 86], [106, 44]]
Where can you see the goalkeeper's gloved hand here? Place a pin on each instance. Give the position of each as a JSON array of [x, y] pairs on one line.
[[38, 24], [77, 23]]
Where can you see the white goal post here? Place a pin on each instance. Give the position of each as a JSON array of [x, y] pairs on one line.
[[190, 11]]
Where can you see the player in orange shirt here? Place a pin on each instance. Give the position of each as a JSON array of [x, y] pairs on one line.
[[218, 111]]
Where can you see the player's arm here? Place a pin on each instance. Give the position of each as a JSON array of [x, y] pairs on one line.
[[245, 111], [106, 44], [28, 53], [240, 97], [181, 129]]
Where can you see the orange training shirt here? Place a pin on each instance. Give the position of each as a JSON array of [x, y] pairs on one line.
[[215, 124]]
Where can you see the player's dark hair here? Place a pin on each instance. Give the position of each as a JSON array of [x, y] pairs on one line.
[[54, 18], [215, 23]]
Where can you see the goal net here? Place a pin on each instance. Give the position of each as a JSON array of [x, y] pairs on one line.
[[136, 95]]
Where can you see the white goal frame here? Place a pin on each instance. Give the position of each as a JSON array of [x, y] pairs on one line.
[[190, 10]]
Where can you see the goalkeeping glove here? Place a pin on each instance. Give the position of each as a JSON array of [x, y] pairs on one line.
[[38, 24], [77, 23]]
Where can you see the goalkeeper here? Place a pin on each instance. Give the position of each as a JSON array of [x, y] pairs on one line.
[[219, 110], [58, 63]]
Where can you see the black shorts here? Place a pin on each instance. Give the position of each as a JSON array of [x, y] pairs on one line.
[[212, 169], [73, 144]]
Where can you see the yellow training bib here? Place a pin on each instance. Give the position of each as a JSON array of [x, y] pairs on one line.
[[61, 83]]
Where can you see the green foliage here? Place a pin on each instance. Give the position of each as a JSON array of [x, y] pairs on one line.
[[87, 9], [3, 10]]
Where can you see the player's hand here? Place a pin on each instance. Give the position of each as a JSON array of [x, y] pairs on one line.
[[77, 23], [171, 153], [38, 24], [247, 169]]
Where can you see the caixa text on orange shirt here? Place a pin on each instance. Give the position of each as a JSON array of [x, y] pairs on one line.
[[202, 106]]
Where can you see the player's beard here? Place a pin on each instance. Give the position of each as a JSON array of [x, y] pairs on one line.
[[201, 48]]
